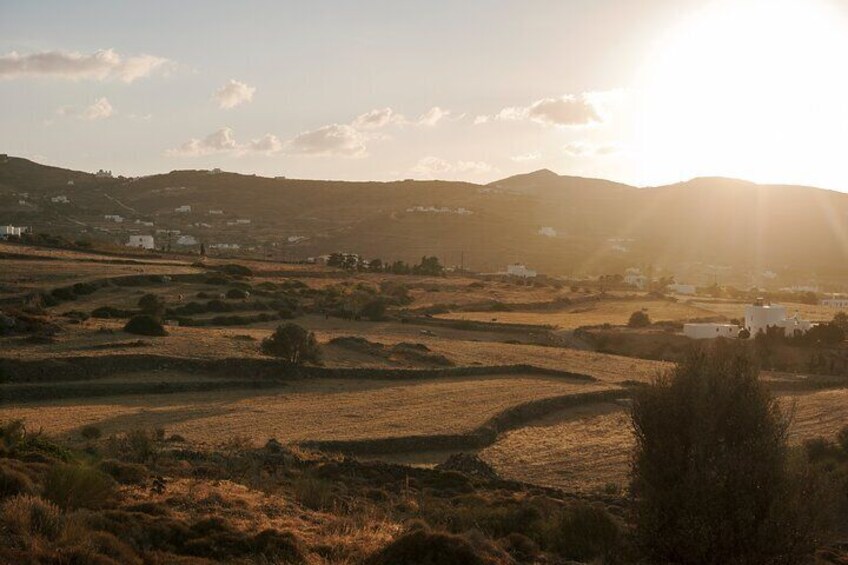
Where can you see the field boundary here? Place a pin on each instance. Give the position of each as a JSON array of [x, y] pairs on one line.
[[482, 436]]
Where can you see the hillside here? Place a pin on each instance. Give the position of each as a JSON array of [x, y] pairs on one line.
[[558, 224]]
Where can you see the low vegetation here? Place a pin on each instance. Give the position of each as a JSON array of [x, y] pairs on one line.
[[293, 344]]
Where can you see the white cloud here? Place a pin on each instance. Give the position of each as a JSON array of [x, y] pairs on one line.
[[233, 94], [224, 141], [481, 120], [534, 156], [582, 149], [332, 140], [432, 116], [378, 118], [567, 110], [100, 65], [100, 109], [433, 167]]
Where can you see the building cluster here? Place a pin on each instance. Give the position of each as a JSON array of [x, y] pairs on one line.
[[520, 271], [759, 318], [7, 232]]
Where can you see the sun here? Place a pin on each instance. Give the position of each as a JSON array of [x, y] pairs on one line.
[[748, 88]]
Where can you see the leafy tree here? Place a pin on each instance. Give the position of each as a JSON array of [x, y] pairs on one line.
[[292, 343], [429, 266], [711, 475], [823, 334], [639, 319]]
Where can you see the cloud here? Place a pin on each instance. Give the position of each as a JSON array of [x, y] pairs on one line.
[[332, 140], [233, 94], [526, 157], [100, 109], [432, 167], [432, 116], [481, 120], [223, 141], [100, 65], [567, 110], [581, 149], [378, 118], [268, 143]]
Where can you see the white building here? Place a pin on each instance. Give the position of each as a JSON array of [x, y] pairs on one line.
[[101, 174], [520, 271], [681, 288], [636, 279], [187, 240], [231, 246], [184, 209], [10, 231], [760, 316], [835, 302], [242, 221], [62, 199], [114, 217], [141, 242], [547, 231], [710, 331], [216, 212]]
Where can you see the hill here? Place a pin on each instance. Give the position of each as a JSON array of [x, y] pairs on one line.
[[557, 224]]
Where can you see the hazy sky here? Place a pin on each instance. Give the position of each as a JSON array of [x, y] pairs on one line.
[[641, 91]]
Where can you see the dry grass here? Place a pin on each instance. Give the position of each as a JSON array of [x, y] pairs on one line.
[[813, 312], [615, 312], [306, 410]]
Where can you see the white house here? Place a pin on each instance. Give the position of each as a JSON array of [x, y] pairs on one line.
[[232, 246], [187, 240], [101, 174], [547, 231], [61, 199], [520, 271], [835, 302], [710, 331], [10, 231], [759, 316], [141, 241], [242, 221], [216, 212], [636, 279], [114, 217], [681, 288], [184, 209]]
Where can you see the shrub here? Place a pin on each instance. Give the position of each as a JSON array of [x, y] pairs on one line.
[[110, 312], [90, 432], [374, 310], [237, 270], [81, 289], [63, 294], [152, 305], [76, 486], [584, 532], [639, 319], [279, 547], [237, 294], [293, 343], [424, 547], [26, 516], [145, 325], [710, 474], [14, 482], [315, 494], [125, 473]]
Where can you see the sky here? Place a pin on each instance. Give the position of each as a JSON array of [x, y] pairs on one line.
[[645, 92]]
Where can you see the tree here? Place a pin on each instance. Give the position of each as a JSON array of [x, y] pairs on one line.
[[144, 324], [841, 319], [429, 266], [152, 305], [711, 476], [292, 343], [639, 319]]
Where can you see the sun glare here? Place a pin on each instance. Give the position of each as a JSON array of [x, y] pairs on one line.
[[753, 89]]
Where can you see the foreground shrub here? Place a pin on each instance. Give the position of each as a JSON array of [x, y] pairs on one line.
[[14, 482], [144, 324], [29, 516], [292, 343], [77, 486], [125, 473], [424, 547], [237, 294], [152, 305], [90, 432], [584, 532], [711, 478]]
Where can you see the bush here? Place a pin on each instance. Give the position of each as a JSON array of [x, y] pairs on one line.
[[152, 305], [237, 270], [293, 343], [237, 294], [28, 516], [90, 432], [584, 532], [639, 319], [424, 547], [77, 486], [125, 473], [14, 482], [145, 325], [710, 474], [110, 312]]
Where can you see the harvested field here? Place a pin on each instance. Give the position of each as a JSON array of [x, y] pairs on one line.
[[615, 312], [322, 409]]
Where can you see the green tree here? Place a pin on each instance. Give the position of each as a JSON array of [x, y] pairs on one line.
[[639, 319], [711, 476]]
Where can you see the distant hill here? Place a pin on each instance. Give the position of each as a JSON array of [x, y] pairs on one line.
[[557, 224]]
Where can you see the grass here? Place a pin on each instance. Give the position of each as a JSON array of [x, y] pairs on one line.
[[306, 410]]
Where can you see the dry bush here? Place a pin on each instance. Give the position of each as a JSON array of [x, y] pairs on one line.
[[14, 482], [424, 547], [125, 473], [77, 486], [29, 516], [144, 324]]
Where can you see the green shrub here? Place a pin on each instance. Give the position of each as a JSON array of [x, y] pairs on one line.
[[145, 325], [293, 343], [77, 486], [14, 482], [90, 432]]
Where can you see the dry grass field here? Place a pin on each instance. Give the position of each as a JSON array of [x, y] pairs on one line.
[[615, 312], [319, 409]]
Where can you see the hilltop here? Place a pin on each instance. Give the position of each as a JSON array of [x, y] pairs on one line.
[[558, 224]]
